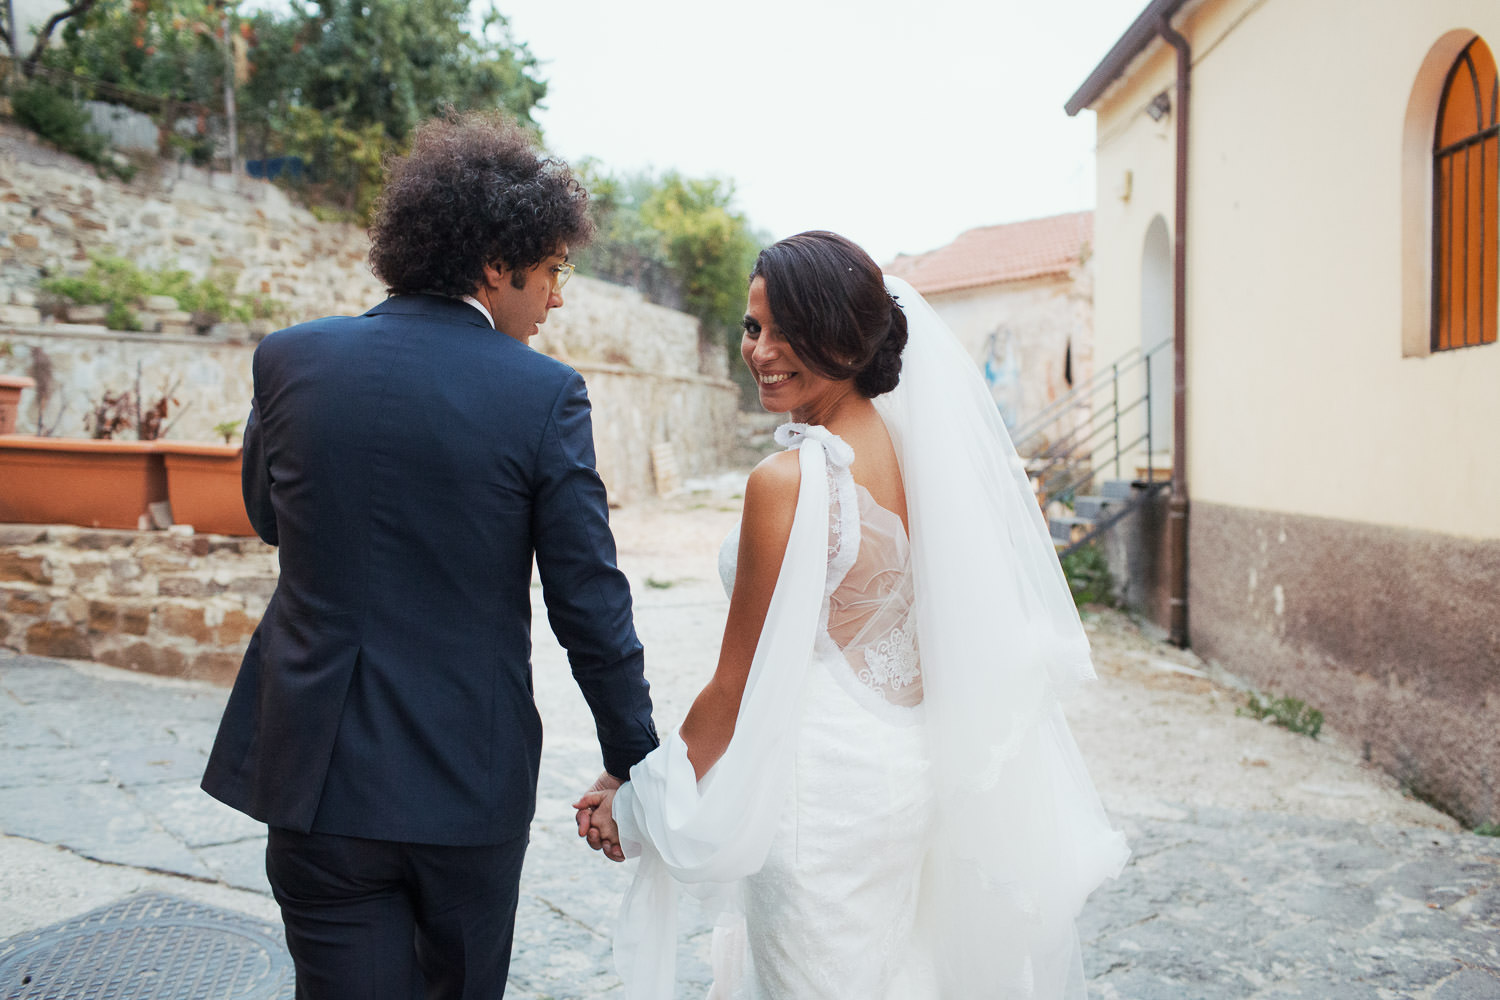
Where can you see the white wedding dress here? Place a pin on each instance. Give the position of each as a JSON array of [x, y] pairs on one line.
[[832, 911], [901, 811]]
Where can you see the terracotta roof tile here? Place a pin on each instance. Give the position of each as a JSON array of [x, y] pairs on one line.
[[993, 254]]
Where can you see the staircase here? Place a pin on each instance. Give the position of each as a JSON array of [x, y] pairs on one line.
[[1075, 448]]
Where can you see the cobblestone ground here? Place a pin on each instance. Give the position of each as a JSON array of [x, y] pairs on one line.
[[1266, 865]]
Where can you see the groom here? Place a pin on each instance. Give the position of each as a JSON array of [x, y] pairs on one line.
[[410, 463]]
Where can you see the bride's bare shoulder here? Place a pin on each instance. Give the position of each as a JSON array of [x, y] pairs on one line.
[[774, 482]]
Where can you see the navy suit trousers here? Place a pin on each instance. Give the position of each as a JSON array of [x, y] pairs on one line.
[[384, 920]]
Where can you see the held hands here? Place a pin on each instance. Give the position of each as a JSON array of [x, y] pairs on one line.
[[595, 820]]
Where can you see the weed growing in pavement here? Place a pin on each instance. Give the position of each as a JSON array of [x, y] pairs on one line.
[[1488, 829], [1289, 713]]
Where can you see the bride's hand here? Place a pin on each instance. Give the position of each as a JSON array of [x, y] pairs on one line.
[[604, 782], [603, 834]]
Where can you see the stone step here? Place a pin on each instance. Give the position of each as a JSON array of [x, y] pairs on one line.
[[1066, 528], [1091, 507], [257, 585]]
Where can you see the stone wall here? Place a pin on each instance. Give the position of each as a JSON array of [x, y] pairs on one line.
[[159, 602], [650, 378], [634, 408], [212, 377], [55, 211]]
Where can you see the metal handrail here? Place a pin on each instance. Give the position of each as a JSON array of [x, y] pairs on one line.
[[1068, 400], [1070, 440]]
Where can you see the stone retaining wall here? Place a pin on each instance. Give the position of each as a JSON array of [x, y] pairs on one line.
[[633, 409], [651, 378], [160, 602], [55, 211], [185, 605]]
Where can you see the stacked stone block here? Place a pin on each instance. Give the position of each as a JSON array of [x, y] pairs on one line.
[[18, 307], [173, 604]]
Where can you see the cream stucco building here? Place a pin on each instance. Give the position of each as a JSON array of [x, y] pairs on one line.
[[1019, 297], [1339, 471]]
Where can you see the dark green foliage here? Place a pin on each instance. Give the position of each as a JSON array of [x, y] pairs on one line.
[[1088, 576], [336, 83], [62, 121], [389, 62], [1488, 829], [1289, 713], [341, 84], [680, 241]]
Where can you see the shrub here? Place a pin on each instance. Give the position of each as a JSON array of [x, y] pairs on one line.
[[63, 121], [57, 118], [1088, 576], [346, 163]]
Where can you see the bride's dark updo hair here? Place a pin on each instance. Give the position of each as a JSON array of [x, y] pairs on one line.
[[829, 301]]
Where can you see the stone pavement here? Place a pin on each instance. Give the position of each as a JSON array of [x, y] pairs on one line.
[[99, 803]]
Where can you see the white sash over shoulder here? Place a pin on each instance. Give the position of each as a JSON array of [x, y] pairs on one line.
[[716, 831]]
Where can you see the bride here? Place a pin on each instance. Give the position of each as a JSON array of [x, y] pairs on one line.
[[876, 793]]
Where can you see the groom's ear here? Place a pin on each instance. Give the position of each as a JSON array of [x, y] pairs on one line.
[[492, 275]]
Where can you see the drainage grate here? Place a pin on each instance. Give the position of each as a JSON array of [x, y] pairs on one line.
[[150, 946]]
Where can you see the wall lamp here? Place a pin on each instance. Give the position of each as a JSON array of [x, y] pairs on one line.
[[1159, 106]]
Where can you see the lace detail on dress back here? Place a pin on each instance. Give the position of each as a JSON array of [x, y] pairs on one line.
[[869, 618], [871, 613]]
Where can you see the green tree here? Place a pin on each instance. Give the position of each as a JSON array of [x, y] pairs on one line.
[[708, 244], [388, 62], [626, 250], [162, 48], [680, 241], [339, 84]]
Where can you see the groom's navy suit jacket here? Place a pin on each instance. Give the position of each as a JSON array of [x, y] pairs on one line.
[[410, 463]]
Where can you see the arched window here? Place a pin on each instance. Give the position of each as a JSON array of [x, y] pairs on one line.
[[1466, 203]]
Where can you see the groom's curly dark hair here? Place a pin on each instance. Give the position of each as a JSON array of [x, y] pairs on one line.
[[473, 190]]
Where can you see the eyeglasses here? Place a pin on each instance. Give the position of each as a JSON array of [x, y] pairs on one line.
[[560, 274]]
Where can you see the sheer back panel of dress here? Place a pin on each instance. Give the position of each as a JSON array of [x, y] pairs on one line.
[[870, 610], [869, 613]]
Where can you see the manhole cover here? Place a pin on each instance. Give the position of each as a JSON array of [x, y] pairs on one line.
[[150, 946]]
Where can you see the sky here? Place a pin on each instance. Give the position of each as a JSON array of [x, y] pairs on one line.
[[899, 125]]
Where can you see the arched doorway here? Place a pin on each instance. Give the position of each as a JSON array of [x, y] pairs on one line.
[[1156, 328]]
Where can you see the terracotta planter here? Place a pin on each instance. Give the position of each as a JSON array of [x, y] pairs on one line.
[[203, 483], [95, 484], [11, 387]]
